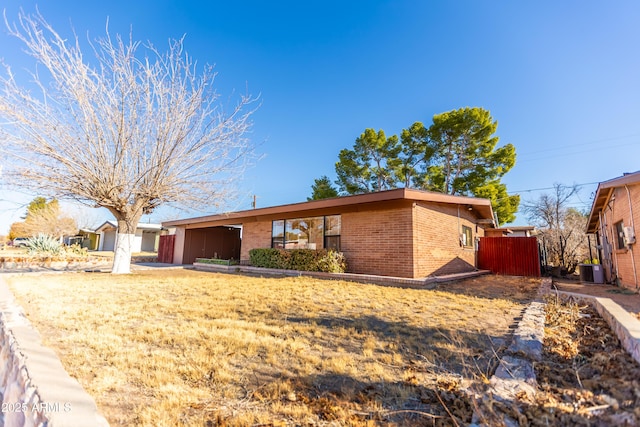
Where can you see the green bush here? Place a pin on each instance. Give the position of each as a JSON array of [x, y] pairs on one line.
[[299, 259]]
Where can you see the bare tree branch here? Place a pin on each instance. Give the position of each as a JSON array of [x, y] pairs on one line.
[[130, 130], [561, 227]]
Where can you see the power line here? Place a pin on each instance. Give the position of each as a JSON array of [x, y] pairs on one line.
[[582, 144], [549, 188], [573, 153]]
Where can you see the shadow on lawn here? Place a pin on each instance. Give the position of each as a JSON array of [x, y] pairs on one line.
[[337, 397], [441, 350], [520, 290]]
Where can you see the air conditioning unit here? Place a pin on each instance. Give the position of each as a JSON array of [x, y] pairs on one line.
[[628, 235]]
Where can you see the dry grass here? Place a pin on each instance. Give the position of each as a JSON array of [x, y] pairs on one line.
[[179, 347]]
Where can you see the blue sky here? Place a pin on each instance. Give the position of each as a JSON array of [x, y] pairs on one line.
[[561, 78]]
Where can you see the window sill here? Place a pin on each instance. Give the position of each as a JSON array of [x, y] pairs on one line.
[[622, 251]]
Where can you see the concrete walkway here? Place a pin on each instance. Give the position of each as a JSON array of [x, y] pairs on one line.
[[35, 389]]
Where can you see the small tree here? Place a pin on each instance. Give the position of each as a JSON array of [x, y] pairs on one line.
[[322, 189], [36, 204], [44, 218], [134, 129], [561, 227]]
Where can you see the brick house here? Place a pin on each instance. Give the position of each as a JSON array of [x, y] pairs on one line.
[[512, 231], [614, 216], [401, 232]]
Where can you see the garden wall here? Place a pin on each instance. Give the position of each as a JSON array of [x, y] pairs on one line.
[[35, 390]]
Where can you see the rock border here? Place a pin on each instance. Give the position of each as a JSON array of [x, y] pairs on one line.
[[515, 373]]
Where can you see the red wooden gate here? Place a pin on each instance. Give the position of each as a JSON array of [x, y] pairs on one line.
[[512, 256], [165, 248]]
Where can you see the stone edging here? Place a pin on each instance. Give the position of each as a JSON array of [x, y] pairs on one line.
[[35, 388], [516, 374]]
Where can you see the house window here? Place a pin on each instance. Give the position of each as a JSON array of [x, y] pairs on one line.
[[303, 233], [277, 234], [307, 233], [620, 235], [332, 226], [467, 237]]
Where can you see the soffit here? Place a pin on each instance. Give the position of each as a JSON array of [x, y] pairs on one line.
[[603, 194], [361, 202]]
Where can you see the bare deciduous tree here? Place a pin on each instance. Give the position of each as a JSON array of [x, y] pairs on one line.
[[561, 227], [131, 130]]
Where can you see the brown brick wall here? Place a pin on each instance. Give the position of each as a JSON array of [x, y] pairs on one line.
[[378, 242], [410, 240], [437, 248], [255, 235], [623, 261]]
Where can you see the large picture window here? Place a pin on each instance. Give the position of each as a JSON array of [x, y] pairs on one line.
[[303, 233], [307, 233]]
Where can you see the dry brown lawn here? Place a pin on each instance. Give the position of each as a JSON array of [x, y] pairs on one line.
[[180, 347]]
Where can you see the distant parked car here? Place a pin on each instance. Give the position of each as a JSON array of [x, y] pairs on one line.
[[20, 242]]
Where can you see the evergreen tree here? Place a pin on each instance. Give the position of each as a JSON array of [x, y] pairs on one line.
[[466, 160], [322, 189], [455, 155], [371, 165]]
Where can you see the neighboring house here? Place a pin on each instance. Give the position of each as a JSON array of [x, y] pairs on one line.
[[86, 238], [146, 237], [614, 217], [513, 231], [401, 232], [522, 231]]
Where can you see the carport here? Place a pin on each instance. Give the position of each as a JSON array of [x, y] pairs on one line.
[[212, 242]]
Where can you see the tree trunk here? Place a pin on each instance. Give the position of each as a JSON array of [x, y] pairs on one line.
[[124, 244]]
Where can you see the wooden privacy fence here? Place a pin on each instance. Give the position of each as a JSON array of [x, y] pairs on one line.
[[512, 256], [165, 248]]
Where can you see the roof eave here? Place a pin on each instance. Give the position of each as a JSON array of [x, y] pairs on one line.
[[599, 202], [482, 206]]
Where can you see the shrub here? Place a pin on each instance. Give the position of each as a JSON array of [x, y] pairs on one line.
[[299, 259], [43, 244], [77, 250], [333, 262], [268, 258]]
